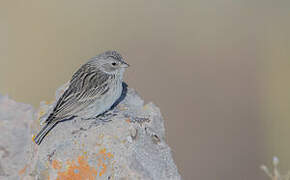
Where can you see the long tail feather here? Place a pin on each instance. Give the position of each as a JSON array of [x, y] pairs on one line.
[[43, 132]]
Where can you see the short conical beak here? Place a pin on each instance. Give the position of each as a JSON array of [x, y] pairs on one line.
[[124, 65]]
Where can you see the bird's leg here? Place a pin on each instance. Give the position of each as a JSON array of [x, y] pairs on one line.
[[106, 116]]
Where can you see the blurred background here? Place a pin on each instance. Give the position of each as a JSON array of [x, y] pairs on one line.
[[218, 70]]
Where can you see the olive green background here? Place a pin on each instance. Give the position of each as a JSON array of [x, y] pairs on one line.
[[218, 70]]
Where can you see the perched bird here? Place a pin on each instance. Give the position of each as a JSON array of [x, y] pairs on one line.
[[94, 87]]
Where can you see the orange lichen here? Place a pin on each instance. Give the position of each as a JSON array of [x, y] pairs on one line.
[[128, 120], [103, 153], [23, 170], [102, 156], [82, 169], [49, 102], [56, 164], [40, 114], [33, 137]]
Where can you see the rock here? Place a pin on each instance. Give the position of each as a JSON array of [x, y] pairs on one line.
[[15, 137], [128, 142]]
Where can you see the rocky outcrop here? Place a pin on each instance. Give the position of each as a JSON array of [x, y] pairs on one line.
[[128, 142]]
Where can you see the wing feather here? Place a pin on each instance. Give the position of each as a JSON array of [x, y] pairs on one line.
[[86, 86]]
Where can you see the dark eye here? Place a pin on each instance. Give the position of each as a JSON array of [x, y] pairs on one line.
[[114, 64]]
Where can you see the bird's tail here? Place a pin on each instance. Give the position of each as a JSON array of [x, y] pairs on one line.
[[43, 132]]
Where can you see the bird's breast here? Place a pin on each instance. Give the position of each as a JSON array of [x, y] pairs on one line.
[[104, 103]]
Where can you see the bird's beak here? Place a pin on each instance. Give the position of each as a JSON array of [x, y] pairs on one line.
[[124, 65]]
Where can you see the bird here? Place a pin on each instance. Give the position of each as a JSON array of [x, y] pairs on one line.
[[94, 87]]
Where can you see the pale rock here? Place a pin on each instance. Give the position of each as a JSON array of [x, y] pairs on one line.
[[128, 142]]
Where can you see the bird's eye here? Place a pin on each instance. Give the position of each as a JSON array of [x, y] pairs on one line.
[[114, 64]]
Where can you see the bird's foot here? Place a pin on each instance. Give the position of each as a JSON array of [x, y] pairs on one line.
[[105, 117]]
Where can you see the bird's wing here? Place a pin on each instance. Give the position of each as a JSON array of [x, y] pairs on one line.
[[85, 87]]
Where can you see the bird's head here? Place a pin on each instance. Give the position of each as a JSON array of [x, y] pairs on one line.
[[110, 62]]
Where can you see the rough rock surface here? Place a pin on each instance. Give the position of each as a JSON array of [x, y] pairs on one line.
[[125, 143], [15, 137]]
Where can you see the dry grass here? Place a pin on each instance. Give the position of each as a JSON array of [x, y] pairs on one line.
[[275, 174]]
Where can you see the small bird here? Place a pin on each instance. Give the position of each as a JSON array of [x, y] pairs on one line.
[[94, 87]]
